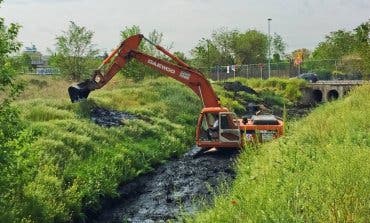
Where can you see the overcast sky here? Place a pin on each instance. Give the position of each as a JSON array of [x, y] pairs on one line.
[[301, 23]]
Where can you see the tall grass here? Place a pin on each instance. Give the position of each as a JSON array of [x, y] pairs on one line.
[[318, 172], [66, 163]]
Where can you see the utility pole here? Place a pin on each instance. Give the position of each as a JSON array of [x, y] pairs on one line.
[[269, 43]]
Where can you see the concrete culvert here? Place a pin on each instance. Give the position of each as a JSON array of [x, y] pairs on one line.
[[317, 96], [333, 95]]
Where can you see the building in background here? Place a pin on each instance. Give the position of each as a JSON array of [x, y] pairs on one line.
[[39, 62]]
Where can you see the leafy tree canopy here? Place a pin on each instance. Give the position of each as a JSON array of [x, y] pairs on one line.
[[10, 125], [336, 45], [344, 45], [278, 48], [75, 52], [234, 47], [134, 69], [8, 45]]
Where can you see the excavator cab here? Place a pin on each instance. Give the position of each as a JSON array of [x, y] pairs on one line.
[[229, 128], [219, 128]]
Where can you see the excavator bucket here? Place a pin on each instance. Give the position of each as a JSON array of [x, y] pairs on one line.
[[79, 91]]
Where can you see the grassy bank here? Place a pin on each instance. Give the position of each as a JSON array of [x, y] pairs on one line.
[[64, 163], [318, 172], [274, 93]]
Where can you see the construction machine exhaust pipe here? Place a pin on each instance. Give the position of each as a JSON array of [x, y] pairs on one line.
[[81, 90]]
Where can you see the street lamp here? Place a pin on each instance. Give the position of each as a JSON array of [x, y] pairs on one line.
[[269, 42]]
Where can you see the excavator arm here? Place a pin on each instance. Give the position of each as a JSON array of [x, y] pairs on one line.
[[129, 49], [230, 128]]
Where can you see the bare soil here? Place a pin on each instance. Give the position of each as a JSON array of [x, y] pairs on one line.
[[172, 189], [109, 118]]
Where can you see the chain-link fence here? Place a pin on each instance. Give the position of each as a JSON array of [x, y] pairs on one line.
[[325, 69]]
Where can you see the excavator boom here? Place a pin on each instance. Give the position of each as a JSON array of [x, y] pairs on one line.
[[82, 90], [232, 132], [128, 50]]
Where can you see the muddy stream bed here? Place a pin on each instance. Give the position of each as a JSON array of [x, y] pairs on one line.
[[171, 189]]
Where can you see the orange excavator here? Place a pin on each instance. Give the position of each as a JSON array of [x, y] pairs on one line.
[[217, 127]]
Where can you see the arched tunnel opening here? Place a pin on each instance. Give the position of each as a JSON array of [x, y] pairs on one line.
[[333, 95], [317, 96]]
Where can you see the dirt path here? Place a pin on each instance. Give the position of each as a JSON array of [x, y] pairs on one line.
[[171, 189]]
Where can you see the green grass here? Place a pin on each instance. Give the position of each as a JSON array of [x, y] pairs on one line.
[[288, 90], [273, 92], [66, 163], [318, 172]]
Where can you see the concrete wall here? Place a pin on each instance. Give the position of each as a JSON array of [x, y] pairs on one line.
[[325, 91]]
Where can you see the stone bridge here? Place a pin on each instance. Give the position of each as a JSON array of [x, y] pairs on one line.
[[323, 91]]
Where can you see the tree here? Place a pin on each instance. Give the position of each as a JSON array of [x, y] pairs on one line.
[[306, 53], [21, 62], [218, 50], [10, 124], [231, 47], [134, 69], [181, 56], [278, 48], [206, 54], [251, 47], [8, 45], [336, 45], [350, 48], [75, 54], [224, 40], [362, 36]]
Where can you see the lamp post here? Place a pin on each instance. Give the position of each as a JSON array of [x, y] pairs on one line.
[[269, 43]]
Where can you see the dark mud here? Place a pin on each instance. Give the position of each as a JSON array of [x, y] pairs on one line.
[[109, 118], [173, 188], [237, 86]]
